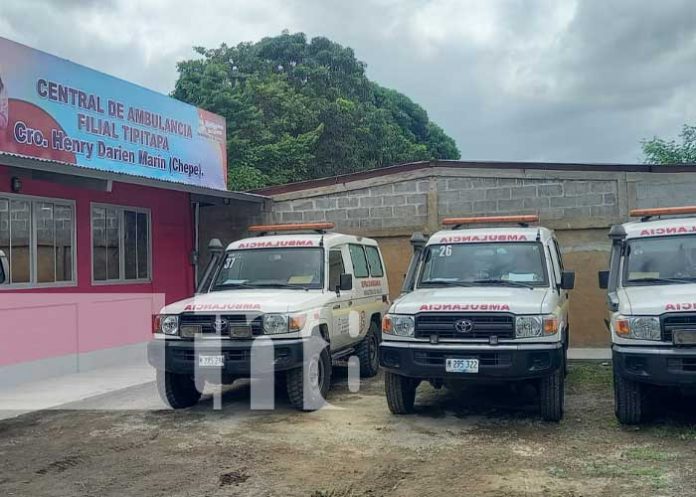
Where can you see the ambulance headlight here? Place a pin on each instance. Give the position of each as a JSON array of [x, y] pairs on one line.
[[528, 326], [169, 324], [274, 324], [638, 328], [399, 324]]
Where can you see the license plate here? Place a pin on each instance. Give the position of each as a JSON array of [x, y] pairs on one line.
[[453, 365], [211, 361], [684, 337]]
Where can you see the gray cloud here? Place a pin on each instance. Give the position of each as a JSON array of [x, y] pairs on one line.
[[575, 80]]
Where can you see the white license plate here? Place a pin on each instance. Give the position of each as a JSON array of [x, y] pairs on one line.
[[211, 361], [461, 365]]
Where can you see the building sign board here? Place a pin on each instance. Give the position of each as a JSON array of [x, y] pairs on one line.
[[54, 109]]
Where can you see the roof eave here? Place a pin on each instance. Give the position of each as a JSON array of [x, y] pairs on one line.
[[60, 168]]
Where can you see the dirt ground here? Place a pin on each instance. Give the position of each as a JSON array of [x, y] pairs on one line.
[[469, 441]]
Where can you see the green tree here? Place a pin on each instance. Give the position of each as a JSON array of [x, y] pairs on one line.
[[660, 151], [299, 109]]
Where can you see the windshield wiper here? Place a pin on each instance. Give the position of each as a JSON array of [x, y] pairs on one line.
[[282, 285], [681, 281], [447, 283], [504, 283], [227, 286]]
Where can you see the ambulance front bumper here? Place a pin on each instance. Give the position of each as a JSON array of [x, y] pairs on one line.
[[496, 362], [662, 366]]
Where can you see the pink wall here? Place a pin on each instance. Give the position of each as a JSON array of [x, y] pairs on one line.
[[77, 320]]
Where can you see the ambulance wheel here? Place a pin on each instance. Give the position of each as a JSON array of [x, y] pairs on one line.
[[552, 396], [629, 401], [309, 385], [177, 390], [401, 393], [368, 353]]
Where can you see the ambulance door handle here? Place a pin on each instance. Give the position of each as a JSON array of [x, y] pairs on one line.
[[350, 302], [337, 306]]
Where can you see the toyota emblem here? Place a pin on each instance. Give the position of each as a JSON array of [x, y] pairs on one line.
[[464, 326], [220, 324]]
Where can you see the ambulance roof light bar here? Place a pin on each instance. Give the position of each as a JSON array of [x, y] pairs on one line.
[[646, 214], [264, 229], [458, 222]]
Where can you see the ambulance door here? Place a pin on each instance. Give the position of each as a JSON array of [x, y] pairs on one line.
[[342, 299]]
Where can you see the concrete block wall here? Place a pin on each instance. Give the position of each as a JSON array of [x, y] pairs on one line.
[[390, 205], [419, 201], [551, 198]]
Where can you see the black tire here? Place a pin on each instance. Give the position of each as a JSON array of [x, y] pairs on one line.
[[401, 393], [177, 390], [629, 401], [552, 396], [368, 353], [308, 386]]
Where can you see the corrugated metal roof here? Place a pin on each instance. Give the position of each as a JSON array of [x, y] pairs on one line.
[[47, 165]]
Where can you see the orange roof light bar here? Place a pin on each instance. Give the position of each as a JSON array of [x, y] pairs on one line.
[[664, 211], [458, 221], [265, 228]]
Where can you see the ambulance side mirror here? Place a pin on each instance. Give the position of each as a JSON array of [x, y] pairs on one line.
[[346, 282], [603, 279], [4, 269], [567, 280]]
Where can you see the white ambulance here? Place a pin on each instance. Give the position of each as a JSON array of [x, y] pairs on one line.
[[651, 285], [480, 304], [287, 288]]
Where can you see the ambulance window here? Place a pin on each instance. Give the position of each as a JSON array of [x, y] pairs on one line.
[[558, 251], [555, 273], [375, 262], [357, 255], [336, 268]]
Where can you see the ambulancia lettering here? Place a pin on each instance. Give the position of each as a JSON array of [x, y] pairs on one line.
[[464, 307], [275, 243], [687, 306], [222, 307], [484, 238], [669, 230]]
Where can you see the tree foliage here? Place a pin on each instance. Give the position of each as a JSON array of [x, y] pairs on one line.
[[298, 110], [660, 151]]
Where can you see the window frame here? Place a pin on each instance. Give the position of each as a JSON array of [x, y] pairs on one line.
[[352, 262], [379, 259], [33, 252], [339, 250], [121, 240]]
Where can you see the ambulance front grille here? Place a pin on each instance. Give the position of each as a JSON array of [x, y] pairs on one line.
[[483, 325], [206, 323], [672, 322]]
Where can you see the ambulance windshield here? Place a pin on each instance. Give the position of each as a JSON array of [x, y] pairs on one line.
[[660, 260], [271, 268], [484, 264]]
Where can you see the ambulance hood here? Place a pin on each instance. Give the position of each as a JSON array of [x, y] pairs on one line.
[[251, 301], [474, 299], [653, 300]]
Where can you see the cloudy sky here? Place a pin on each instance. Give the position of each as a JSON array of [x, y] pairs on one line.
[[549, 80]]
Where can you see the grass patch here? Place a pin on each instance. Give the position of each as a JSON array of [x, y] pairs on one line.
[[656, 476], [590, 375], [648, 454], [672, 431], [557, 472]]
